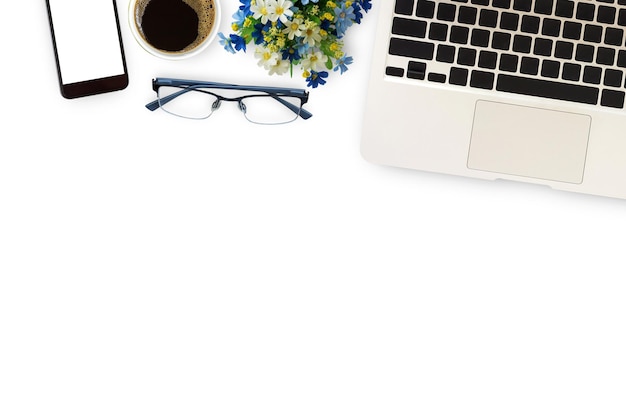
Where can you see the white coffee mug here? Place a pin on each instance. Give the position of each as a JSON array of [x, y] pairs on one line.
[[208, 18]]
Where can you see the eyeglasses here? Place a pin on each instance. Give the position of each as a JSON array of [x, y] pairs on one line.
[[199, 100]]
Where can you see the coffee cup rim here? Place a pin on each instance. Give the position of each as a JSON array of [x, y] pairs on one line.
[[174, 55]]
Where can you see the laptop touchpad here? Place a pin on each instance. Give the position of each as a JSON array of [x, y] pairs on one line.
[[529, 142]]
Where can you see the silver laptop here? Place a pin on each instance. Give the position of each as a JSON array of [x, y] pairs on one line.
[[526, 90]]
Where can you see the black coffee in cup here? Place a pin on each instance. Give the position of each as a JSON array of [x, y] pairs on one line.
[[174, 26]]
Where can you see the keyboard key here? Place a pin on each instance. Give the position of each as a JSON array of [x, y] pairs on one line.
[[530, 24], [425, 8], [446, 12], [466, 56], [394, 71], [480, 37], [436, 77], [613, 36], [501, 4], [605, 56], [571, 72], [544, 6], [564, 8], [584, 53], [547, 89], [592, 75], [551, 27], [508, 63], [522, 5], [585, 11], [613, 78], [564, 50], [550, 69], [459, 34], [487, 59], [482, 79], [408, 27], [411, 49], [529, 66], [488, 18], [606, 14], [543, 47], [416, 70], [438, 31], [572, 30], [593, 33], [445, 53], [611, 98], [509, 21], [467, 15], [621, 19], [501, 41], [621, 59], [522, 43], [404, 7], [458, 76]]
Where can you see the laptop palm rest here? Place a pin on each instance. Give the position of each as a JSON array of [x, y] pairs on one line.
[[529, 142]]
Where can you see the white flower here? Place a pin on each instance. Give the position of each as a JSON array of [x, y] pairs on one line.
[[311, 33], [280, 9], [260, 10], [267, 58], [294, 28], [314, 62], [280, 68]]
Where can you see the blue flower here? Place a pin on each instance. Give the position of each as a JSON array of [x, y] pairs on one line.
[[245, 6], [316, 79], [358, 16], [291, 54], [365, 4], [359, 6], [259, 32], [239, 42], [304, 48], [344, 16], [239, 17], [226, 43], [325, 25], [342, 64], [305, 2]]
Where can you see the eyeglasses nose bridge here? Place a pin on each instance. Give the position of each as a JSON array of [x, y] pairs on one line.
[[216, 105]]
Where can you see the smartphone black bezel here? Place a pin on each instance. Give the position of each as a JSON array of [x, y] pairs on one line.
[[85, 88]]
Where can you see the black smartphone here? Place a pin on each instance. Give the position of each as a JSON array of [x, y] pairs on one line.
[[88, 46]]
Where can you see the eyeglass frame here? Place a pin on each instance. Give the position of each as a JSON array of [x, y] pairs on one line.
[[188, 85]]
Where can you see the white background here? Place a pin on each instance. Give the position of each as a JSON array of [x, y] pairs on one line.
[[151, 266]]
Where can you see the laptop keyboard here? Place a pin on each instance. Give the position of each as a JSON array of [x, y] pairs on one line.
[[555, 49]]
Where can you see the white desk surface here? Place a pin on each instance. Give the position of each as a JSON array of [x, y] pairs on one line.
[[152, 266]]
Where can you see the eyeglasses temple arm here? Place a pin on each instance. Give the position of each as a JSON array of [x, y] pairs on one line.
[[299, 110], [153, 105]]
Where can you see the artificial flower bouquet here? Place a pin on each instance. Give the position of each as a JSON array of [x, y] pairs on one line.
[[299, 33]]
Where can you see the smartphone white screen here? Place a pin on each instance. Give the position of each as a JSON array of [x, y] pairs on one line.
[[87, 41]]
